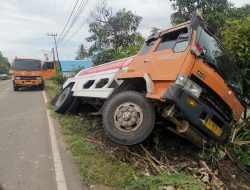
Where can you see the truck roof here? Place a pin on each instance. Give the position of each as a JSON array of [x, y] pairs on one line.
[[157, 34], [26, 59]]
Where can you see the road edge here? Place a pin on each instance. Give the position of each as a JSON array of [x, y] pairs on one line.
[[60, 178]]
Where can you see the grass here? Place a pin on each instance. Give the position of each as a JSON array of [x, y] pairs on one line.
[[99, 167]]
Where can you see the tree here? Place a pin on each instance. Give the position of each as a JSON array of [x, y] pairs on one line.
[[110, 31], [237, 40], [81, 52], [4, 64], [214, 11], [154, 30], [107, 55], [113, 34]]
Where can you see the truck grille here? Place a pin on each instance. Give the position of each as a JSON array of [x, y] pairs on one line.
[[28, 77], [209, 97]]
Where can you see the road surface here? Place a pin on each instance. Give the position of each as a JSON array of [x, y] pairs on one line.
[[31, 158]]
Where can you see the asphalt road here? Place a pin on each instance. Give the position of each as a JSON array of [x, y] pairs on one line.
[[26, 157]]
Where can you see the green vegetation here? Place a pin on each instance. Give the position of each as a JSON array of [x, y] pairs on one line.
[[4, 64], [164, 180], [113, 36], [237, 40], [97, 166], [241, 142], [52, 88], [59, 78], [81, 53], [113, 31], [214, 11]]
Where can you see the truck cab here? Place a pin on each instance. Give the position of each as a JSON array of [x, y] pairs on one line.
[[27, 73]]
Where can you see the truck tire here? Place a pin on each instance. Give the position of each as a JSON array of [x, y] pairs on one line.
[[128, 118], [73, 108], [42, 86], [64, 100], [15, 88]]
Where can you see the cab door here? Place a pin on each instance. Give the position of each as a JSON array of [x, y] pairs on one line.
[[140, 64], [49, 70], [170, 54]]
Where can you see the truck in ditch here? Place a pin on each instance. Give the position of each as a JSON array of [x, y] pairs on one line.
[[183, 74]]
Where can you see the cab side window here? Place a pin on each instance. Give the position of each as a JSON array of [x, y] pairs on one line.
[[48, 65], [147, 47], [176, 40]]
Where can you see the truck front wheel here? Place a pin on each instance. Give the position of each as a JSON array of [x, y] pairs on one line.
[[42, 86], [64, 100], [128, 118], [15, 88]]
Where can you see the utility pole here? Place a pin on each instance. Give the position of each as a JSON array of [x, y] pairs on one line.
[[54, 36], [53, 53]]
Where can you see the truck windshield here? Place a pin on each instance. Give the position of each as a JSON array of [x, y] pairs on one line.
[[27, 65], [218, 57]]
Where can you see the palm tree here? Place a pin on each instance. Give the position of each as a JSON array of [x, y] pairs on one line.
[[81, 52]]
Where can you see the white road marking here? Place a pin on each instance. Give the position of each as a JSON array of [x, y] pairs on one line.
[[60, 179]]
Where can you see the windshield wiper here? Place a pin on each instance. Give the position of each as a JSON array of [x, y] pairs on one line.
[[222, 73], [215, 67]]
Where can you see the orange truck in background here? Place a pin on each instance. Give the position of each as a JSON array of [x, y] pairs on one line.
[[182, 74], [31, 72]]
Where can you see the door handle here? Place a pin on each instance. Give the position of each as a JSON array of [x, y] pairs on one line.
[[147, 60]]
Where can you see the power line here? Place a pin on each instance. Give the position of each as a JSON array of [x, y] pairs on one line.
[[74, 19], [97, 6], [78, 14], [71, 14]]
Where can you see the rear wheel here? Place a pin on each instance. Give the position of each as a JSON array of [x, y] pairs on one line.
[[64, 100], [128, 118]]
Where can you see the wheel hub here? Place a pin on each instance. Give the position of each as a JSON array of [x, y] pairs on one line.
[[128, 117]]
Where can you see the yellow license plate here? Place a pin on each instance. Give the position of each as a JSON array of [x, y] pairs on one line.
[[213, 127]]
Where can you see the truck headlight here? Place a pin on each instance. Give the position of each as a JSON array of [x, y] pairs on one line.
[[194, 88], [17, 78], [181, 80], [189, 85], [38, 78]]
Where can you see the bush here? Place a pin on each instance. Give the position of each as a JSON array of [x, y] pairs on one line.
[[237, 40], [59, 78]]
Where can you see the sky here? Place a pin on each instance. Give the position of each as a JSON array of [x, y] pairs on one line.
[[24, 24]]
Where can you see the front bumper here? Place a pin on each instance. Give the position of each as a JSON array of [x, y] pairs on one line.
[[27, 82], [199, 116]]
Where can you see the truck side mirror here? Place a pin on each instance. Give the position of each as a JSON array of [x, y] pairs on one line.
[[197, 50], [196, 20]]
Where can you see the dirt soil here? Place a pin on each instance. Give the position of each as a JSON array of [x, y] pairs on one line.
[[178, 154]]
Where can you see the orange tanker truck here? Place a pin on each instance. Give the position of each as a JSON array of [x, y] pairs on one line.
[[31, 72], [183, 74]]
